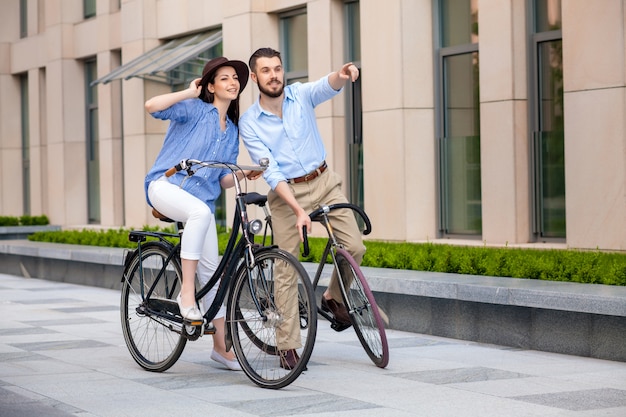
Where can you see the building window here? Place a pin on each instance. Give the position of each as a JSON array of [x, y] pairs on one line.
[[293, 45], [354, 116], [92, 142], [23, 18], [459, 119], [546, 101], [25, 122], [89, 8]]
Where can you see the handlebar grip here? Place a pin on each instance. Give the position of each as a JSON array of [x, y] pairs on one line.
[[171, 172], [306, 250]]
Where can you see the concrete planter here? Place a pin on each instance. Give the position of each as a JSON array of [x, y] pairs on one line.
[[22, 232]]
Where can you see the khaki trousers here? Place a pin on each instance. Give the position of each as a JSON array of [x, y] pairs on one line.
[[323, 190]]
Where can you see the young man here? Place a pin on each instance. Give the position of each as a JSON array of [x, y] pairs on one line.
[[282, 127]]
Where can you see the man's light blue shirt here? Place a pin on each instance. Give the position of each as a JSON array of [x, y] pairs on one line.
[[292, 144], [194, 132]]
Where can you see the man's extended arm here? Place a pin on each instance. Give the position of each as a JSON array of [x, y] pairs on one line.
[[338, 79]]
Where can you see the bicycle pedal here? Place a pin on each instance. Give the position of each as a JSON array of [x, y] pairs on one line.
[[193, 322], [339, 327], [210, 329]]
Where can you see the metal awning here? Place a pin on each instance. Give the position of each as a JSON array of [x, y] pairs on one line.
[[159, 63]]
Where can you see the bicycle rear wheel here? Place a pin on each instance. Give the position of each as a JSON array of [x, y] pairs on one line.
[[154, 341], [256, 321], [364, 312]]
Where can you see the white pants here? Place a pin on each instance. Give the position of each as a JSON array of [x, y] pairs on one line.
[[199, 241]]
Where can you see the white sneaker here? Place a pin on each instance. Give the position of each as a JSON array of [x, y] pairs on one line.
[[233, 365]]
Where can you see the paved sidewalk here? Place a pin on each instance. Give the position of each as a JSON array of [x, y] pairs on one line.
[[62, 354]]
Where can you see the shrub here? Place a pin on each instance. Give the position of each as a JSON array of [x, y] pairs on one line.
[[555, 265], [24, 220]]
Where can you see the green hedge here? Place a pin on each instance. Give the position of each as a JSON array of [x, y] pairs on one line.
[[554, 265], [24, 220]]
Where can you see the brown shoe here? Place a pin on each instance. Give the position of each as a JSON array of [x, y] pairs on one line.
[[338, 309], [288, 359]]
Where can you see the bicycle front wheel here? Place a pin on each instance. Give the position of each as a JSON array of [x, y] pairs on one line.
[[364, 312], [272, 318], [154, 341]]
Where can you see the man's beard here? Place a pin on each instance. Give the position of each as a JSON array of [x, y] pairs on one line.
[[272, 93]]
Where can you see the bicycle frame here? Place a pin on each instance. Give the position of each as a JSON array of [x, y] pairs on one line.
[[238, 247]]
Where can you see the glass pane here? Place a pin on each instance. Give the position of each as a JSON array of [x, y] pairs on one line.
[[294, 47], [23, 19], [552, 184], [547, 15], [354, 109], [25, 123], [459, 22], [92, 144], [461, 111], [89, 8], [353, 31], [551, 164], [462, 205]]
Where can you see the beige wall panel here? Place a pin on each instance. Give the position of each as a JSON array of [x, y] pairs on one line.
[[381, 53], [593, 44], [595, 169], [417, 54], [85, 37], [496, 50], [384, 169], [135, 115], [56, 185], [504, 173], [10, 113], [10, 28], [139, 20], [319, 45], [54, 107], [111, 182], [281, 5], [10, 147], [72, 101], [71, 10], [75, 184], [520, 57], [27, 53], [136, 165], [5, 58], [11, 171], [237, 42], [175, 17], [420, 175]]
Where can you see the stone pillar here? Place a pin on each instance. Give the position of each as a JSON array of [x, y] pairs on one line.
[[398, 119], [594, 48], [504, 141]]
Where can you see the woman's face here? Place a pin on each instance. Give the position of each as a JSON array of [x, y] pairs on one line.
[[226, 84]]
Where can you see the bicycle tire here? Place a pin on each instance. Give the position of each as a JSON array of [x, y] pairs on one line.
[[254, 335], [364, 312], [154, 342]]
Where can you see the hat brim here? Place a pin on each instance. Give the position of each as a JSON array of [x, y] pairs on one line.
[[241, 68]]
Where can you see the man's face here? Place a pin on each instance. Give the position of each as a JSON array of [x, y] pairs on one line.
[[269, 76]]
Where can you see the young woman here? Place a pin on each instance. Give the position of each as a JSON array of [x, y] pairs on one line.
[[203, 125]]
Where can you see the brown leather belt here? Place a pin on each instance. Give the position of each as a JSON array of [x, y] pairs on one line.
[[311, 175]]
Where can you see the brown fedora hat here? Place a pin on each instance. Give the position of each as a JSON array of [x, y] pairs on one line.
[[240, 68]]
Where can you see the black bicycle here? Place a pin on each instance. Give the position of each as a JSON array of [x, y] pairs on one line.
[[156, 333]]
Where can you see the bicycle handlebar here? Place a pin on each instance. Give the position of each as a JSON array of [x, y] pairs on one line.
[[187, 164], [317, 216]]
